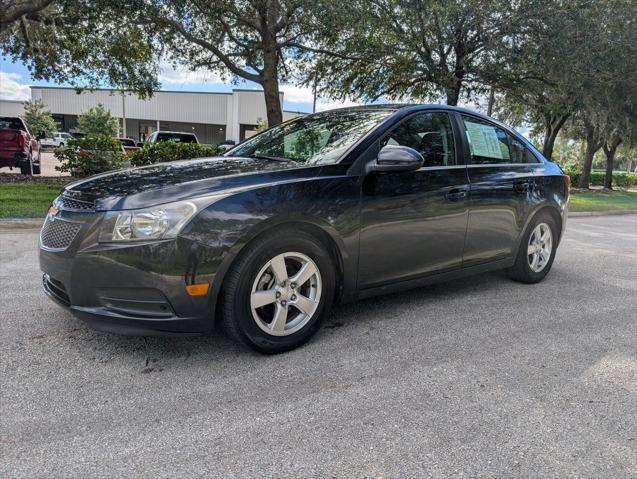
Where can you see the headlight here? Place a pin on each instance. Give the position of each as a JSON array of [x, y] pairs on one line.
[[159, 222]]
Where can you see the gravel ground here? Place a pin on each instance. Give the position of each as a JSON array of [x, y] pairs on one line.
[[477, 377]]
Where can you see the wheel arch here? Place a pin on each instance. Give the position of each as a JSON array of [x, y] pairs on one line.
[[324, 233], [551, 209]]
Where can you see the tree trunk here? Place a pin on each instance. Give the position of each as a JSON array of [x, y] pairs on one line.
[[592, 145], [272, 101], [453, 94], [609, 151], [270, 81], [552, 127], [491, 101]]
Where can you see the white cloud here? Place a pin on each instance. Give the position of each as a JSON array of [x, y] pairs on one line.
[[324, 104], [297, 94], [181, 75], [12, 89]]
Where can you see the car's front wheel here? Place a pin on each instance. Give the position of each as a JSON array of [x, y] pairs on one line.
[[537, 250], [278, 291]]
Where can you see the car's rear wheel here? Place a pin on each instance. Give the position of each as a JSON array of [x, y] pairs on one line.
[[277, 292], [37, 166], [537, 250], [26, 167]]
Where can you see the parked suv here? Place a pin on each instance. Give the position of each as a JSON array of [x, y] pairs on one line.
[[335, 206], [177, 136], [18, 147], [59, 138]]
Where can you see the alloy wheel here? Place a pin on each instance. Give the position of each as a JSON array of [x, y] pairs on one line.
[[285, 294], [540, 247]]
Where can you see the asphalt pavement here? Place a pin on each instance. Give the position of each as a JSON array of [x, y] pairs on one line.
[[479, 377]]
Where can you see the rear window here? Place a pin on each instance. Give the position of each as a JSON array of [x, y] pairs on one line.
[[490, 144], [127, 142], [7, 123], [178, 137]]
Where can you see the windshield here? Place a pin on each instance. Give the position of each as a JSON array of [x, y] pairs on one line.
[[10, 123], [315, 139], [178, 137]]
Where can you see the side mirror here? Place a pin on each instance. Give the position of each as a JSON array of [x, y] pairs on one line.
[[396, 158]]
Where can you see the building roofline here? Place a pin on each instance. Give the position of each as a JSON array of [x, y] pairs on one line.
[[39, 87]]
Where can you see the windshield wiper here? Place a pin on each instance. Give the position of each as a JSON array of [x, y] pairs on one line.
[[271, 158]]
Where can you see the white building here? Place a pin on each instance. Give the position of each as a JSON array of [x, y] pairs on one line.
[[213, 117]]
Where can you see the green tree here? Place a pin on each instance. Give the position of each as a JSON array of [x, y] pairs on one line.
[[254, 40], [579, 67], [418, 49], [39, 119], [262, 125], [98, 121], [85, 43]]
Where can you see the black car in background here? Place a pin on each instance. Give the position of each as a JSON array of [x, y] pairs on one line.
[[334, 206]]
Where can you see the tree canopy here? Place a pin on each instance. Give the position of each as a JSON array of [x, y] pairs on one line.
[[38, 118], [86, 43], [98, 121]]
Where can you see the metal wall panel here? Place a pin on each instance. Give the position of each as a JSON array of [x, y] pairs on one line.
[[11, 108], [163, 106]]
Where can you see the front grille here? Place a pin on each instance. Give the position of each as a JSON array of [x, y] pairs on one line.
[[58, 234], [56, 288], [69, 203]]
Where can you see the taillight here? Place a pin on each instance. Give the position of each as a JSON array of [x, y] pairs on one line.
[[21, 140]]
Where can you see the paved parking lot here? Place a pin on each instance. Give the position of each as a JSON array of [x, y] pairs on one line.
[[478, 377], [47, 165]]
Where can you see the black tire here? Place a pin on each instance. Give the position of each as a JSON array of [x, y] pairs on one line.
[[236, 313], [37, 166], [521, 270], [26, 166]]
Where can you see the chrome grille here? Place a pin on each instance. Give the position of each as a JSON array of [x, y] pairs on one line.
[[58, 234], [68, 203]]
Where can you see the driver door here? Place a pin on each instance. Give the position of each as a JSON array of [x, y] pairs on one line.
[[414, 223]]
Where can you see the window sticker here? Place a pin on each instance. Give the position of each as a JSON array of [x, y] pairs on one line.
[[483, 141]]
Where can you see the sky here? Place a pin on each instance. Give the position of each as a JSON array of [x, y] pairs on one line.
[[15, 80]]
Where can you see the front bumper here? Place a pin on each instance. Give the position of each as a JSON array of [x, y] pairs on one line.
[[129, 288]]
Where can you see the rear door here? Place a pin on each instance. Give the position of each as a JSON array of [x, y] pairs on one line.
[[502, 173], [413, 223]]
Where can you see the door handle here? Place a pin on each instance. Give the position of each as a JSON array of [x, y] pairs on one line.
[[456, 195]]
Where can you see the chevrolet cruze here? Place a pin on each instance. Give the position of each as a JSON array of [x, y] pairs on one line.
[[334, 206]]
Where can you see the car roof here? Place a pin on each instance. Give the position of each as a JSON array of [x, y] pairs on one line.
[[413, 107], [406, 108], [175, 132]]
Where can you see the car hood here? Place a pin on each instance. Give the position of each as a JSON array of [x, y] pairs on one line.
[[179, 180]]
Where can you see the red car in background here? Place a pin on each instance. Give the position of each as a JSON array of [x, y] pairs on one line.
[[18, 147]]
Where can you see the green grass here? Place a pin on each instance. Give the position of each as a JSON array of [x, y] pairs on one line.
[[26, 200], [603, 201]]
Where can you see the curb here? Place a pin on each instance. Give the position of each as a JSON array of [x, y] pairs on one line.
[[583, 214], [21, 223]]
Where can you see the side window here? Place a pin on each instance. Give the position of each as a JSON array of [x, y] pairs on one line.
[[428, 133], [487, 142], [519, 152]]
